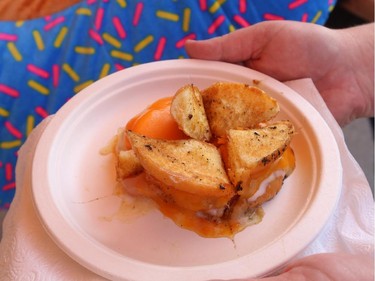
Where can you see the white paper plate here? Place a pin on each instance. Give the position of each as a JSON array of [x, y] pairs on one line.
[[69, 174]]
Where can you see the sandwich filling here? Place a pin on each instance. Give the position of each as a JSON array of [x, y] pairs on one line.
[[209, 182]]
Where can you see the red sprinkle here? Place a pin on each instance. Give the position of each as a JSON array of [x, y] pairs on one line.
[[99, 18], [216, 24], [296, 3], [41, 111], [160, 48], [203, 5], [55, 75], [137, 13], [181, 43], [37, 70], [241, 21], [96, 36], [9, 91], [8, 171], [119, 27], [9, 186], [53, 23], [242, 6], [268, 16], [13, 130]]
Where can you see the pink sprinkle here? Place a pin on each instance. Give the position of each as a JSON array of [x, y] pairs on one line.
[[119, 27], [7, 205], [9, 186], [41, 111], [304, 17], [243, 6], [99, 18], [47, 18], [137, 13], [216, 24], [89, 2], [96, 36], [13, 130], [8, 37], [272, 17], [55, 75], [160, 48], [8, 171], [53, 23], [181, 43], [241, 21], [38, 71], [9, 91], [296, 3], [119, 66], [203, 5]]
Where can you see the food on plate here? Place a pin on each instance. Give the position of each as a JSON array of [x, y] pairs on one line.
[[216, 162], [188, 110], [236, 105]]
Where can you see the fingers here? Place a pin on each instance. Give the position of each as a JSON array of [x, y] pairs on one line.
[[240, 45]]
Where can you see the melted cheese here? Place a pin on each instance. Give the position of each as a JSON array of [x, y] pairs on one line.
[[218, 222], [241, 212]]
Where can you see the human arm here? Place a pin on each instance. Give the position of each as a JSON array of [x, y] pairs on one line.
[[340, 62]]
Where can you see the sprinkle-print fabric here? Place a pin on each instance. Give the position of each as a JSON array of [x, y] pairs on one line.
[[46, 61]]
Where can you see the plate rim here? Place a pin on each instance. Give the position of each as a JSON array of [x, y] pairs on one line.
[[164, 271]]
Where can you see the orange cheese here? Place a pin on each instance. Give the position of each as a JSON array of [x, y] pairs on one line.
[[156, 122]]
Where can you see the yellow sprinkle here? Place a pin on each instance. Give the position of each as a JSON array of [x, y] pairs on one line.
[[60, 37], [121, 55], [82, 86], [105, 70], [231, 28], [167, 15], [38, 87], [10, 144], [186, 20], [30, 124], [19, 23], [83, 12], [122, 3], [330, 8], [141, 45], [85, 50], [38, 40], [72, 74], [216, 6], [4, 112], [14, 51], [317, 16], [111, 40]]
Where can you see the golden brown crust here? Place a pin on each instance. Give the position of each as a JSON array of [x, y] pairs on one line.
[[188, 111], [236, 106], [188, 166], [250, 151]]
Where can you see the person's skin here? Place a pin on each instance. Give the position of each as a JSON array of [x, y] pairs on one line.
[[327, 267], [340, 62]]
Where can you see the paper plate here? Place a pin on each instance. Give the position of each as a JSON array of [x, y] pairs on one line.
[[73, 184]]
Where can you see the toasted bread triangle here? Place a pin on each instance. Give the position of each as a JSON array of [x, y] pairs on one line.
[[189, 165], [236, 106], [248, 151], [188, 111]]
